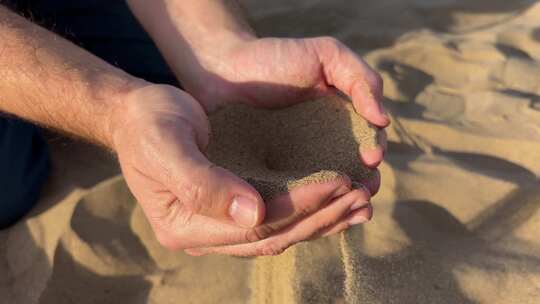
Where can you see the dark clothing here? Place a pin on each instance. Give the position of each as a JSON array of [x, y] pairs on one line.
[[105, 28], [24, 166]]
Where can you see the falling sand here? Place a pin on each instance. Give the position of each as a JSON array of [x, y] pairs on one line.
[[277, 150]]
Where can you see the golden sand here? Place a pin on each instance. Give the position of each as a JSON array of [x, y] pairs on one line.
[[277, 150], [456, 219]]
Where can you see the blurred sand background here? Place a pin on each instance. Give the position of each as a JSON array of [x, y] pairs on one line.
[[456, 219]]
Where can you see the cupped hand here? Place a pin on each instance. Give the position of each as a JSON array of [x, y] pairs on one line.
[[159, 133], [273, 72]]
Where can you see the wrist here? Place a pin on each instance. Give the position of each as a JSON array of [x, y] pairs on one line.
[[195, 38], [118, 109], [150, 108], [209, 79]]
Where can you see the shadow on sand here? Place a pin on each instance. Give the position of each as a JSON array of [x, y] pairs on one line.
[[434, 253]]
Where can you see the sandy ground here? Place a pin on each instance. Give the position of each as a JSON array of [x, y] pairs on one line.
[[456, 219]]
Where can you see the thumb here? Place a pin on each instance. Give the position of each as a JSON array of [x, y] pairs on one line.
[[205, 189]]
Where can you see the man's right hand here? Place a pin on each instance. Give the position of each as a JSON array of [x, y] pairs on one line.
[[159, 132]]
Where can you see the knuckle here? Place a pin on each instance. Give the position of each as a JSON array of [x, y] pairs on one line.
[[331, 41], [181, 214], [304, 210], [272, 249], [196, 193], [375, 81], [308, 207], [329, 45], [322, 226], [193, 197]]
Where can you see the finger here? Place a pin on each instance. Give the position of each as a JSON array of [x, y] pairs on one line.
[[170, 154], [296, 233], [301, 231], [174, 224], [373, 182], [357, 217], [205, 189], [373, 156], [351, 75], [188, 230], [298, 203]]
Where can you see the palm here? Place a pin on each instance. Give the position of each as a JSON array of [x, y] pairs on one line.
[[274, 72], [268, 73], [186, 199]]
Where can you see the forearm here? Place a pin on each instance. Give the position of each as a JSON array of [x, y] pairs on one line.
[[193, 34], [52, 82]]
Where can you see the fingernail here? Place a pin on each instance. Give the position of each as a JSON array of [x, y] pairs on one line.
[[357, 219], [244, 211], [357, 205]]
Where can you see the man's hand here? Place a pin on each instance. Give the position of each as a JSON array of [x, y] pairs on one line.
[[275, 73], [218, 59], [272, 72], [159, 133]]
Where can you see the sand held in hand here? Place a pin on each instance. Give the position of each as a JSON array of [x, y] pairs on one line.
[[277, 150]]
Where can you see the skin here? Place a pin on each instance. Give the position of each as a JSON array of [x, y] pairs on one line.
[[160, 132]]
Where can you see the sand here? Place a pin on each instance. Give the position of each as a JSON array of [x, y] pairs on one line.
[[278, 150], [456, 219]]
